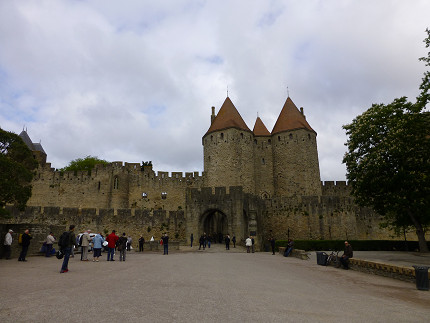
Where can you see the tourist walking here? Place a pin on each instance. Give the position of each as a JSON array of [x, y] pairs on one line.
[[85, 244], [26, 237], [7, 245], [112, 239], [122, 247], [166, 244], [227, 242], [66, 244], [202, 242], [248, 244], [272, 244], [192, 239], [97, 246], [129, 241], [234, 241], [253, 244], [49, 242], [141, 243]]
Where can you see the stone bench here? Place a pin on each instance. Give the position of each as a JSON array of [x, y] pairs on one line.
[[297, 253]]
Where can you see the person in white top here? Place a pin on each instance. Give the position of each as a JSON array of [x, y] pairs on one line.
[[7, 244], [248, 243], [49, 242]]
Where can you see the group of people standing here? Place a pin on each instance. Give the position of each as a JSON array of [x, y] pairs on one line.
[[23, 240], [205, 240]]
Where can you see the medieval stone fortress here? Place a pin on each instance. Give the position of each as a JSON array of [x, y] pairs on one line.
[[254, 182]]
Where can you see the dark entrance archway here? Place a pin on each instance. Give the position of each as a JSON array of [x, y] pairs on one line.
[[214, 223]]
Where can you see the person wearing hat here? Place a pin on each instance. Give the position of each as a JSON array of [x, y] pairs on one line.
[[7, 245]]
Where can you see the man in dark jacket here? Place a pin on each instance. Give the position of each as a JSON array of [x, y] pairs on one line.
[[227, 242], [67, 249], [347, 253], [122, 247], [272, 244], [141, 242], [26, 237], [165, 244]]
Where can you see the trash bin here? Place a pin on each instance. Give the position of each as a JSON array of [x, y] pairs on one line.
[[322, 258], [422, 277]]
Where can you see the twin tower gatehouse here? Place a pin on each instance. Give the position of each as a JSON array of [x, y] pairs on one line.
[[283, 162]]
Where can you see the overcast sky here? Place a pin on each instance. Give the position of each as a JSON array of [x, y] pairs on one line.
[[135, 81]]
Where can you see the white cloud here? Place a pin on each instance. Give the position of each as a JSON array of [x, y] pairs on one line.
[[135, 81]]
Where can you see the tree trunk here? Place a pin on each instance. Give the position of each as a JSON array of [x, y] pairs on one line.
[[420, 233]]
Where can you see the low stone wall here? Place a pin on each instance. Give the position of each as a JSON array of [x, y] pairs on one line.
[[381, 269], [297, 253]]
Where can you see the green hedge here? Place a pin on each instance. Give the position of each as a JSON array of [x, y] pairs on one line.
[[362, 245]]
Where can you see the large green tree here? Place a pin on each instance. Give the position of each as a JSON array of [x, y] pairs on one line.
[[84, 164], [388, 160], [17, 166]]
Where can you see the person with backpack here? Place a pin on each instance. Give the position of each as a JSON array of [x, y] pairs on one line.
[[26, 237], [112, 240], [66, 242]]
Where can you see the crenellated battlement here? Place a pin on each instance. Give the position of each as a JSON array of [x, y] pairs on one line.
[[335, 188], [217, 193]]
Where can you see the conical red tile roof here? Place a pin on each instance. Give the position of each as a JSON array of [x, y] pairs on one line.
[[228, 117], [260, 129], [290, 118]]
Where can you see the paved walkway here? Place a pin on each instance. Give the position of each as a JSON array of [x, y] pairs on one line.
[[203, 286]]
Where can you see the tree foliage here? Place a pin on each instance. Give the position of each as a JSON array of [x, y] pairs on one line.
[[388, 159], [17, 166], [84, 164]]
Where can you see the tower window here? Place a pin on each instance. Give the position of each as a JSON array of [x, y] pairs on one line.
[[212, 137], [255, 141], [263, 162], [241, 135], [291, 136], [115, 183], [222, 135], [279, 138], [99, 186], [309, 136], [163, 195]]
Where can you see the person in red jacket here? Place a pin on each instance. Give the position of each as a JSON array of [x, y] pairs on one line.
[[112, 240]]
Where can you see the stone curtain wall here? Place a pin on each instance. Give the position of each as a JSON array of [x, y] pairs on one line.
[[133, 222], [112, 186]]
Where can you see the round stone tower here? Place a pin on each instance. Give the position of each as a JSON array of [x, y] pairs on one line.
[[295, 155], [228, 150]]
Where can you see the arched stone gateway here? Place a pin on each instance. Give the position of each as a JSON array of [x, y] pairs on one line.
[[214, 223], [220, 213]]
